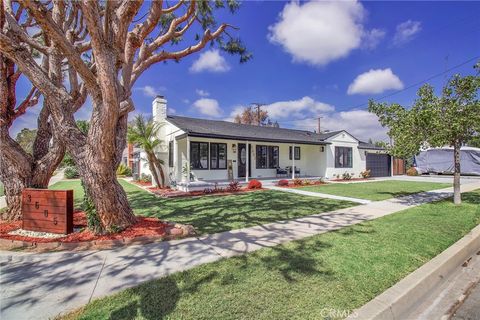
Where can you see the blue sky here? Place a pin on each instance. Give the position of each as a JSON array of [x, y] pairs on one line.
[[317, 59]]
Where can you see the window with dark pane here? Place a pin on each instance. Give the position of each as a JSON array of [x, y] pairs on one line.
[[343, 157], [273, 160], [199, 155], [261, 157], [297, 153], [218, 155]]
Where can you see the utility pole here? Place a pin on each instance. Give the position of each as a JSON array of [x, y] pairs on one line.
[[319, 126], [258, 106]]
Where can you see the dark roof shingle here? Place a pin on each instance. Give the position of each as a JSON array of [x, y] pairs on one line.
[[366, 145], [230, 130]]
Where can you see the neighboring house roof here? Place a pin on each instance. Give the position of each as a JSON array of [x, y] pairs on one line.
[[370, 146], [229, 130]]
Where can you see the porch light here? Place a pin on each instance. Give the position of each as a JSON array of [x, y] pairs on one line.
[[322, 148], [234, 148]]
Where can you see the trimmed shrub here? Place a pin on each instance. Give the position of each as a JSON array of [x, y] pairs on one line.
[[412, 171], [254, 184], [297, 182], [365, 174], [346, 176], [70, 173], [283, 183], [233, 186], [124, 170], [145, 178], [306, 182], [208, 191]]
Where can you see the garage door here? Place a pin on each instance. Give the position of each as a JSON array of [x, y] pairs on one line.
[[378, 164]]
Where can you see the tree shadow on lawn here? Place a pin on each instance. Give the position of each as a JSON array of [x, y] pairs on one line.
[[159, 298], [222, 213], [153, 300], [294, 262]]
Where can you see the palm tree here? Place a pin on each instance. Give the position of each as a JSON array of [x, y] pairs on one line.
[[143, 133]]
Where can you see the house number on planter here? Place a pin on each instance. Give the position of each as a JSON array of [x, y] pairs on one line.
[[48, 210]]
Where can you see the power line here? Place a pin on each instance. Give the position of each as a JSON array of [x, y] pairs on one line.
[[357, 107], [423, 81]]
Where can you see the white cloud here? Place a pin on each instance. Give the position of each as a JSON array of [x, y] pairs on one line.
[[289, 109], [150, 91], [202, 93], [372, 38], [374, 82], [296, 108], [360, 123], [234, 112], [321, 32], [302, 113], [207, 106], [210, 60], [406, 31]]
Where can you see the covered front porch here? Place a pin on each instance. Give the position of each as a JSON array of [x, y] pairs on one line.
[[201, 162]]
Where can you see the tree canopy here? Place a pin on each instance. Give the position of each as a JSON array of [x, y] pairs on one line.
[[449, 119], [69, 50], [257, 117]]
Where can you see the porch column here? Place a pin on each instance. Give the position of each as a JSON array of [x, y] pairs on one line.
[[188, 159], [293, 161], [175, 159], [247, 165]]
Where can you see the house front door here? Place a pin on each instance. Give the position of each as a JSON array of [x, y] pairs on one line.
[[242, 160]]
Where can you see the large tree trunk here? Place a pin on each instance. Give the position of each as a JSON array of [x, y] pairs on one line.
[[20, 170], [97, 165], [457, 196], [107, 194], [15, 173]]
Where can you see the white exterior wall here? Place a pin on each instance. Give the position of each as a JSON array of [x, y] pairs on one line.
[[343, 139], [311, 163]]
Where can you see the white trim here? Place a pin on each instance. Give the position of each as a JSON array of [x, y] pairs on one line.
[[345, 132], [188, 159], [293, 161], [247, 165]]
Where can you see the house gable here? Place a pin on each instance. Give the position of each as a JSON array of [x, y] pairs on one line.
[[343, 137]]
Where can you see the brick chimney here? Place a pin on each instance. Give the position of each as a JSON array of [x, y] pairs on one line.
[[159, 108]]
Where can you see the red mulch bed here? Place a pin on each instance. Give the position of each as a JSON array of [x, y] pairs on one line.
[[351, 180], [143, 227], [292, 185], [170, 193], [143, 184]]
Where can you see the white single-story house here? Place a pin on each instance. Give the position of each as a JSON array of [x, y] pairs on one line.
[[215, 151]]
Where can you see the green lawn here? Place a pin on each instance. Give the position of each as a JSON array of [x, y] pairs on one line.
[[341, 270], [213, 214], [378, 190], [2, 192]]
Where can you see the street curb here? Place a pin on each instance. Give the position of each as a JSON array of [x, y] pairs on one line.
[[398, 301]]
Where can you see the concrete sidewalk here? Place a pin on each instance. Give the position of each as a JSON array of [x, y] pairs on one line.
[[318, 194], [40, 286]]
